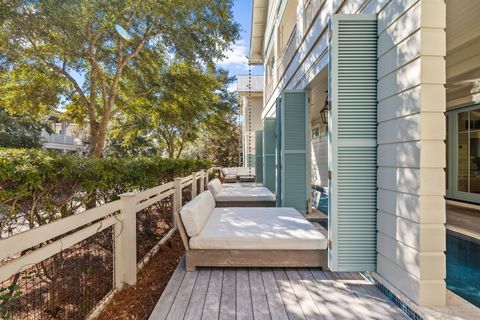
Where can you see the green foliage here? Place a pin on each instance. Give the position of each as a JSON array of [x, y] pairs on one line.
[[20, 131], [72, 48], [222, 144], [38, 187], [7, 299], [175, 104]]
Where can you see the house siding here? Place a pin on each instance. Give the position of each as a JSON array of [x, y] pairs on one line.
[[411, 132]]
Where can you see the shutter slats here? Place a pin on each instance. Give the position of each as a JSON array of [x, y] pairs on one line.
[[293, 119], [269, 153], [259, 156], [353, 214]]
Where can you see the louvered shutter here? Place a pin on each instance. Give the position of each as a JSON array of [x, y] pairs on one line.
[[278, 151], [293, 119], [269, 153], [353, 143], [258, 156]]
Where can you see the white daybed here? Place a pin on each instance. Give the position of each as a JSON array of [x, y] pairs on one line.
[[230, 174], [248, 237], [241, 196], [242, 174]]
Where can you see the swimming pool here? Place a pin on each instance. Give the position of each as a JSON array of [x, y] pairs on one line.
[[463, 266]]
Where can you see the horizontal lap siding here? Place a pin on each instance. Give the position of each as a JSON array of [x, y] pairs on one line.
[[411, 129]]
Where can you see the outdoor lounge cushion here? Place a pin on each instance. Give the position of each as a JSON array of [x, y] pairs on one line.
[[230, 171], [244, 194], [258, 229], [196, 213], [243, 171], [214, 186]]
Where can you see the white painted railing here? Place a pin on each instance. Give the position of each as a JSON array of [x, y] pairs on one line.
[[45, 241]]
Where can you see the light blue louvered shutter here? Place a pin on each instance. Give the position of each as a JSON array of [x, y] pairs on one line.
[[353, 143], [269, 153], [278, 150], [258, 156], [293, 119]]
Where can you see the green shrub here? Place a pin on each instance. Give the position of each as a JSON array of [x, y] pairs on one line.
[[38, 186]]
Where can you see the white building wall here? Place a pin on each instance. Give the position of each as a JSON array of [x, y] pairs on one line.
[[411, 149], [411, 131]]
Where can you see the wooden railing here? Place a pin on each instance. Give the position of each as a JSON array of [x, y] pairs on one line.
[[31, 247]]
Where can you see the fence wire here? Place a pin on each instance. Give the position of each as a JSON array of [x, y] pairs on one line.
[[153, 223], [68, 285]]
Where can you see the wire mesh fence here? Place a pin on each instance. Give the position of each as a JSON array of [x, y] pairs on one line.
[[153, 223], [68, 285], [186, 194]]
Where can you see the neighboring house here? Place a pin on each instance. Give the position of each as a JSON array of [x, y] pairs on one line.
[[66, 137], [250, 92], [381, 153]]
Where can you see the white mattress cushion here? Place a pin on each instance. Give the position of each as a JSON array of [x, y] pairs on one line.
[[214, 186], [243, 171], [245, 194], [232, 171], [259, 229], [196, 213]]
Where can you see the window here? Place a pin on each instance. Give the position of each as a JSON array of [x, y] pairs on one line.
[[463, 154]]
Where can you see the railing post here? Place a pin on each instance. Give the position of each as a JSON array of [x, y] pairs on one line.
[[207, 176], [126, 242], [202, 180], [177, 197], [194, 185]]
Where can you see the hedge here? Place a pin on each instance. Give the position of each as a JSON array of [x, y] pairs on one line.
[[38, 186]]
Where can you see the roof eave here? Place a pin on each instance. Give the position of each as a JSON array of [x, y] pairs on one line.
[[259, 9]]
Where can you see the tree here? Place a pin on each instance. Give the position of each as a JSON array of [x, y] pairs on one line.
[[174, 102], [89, 45], [222, 145], [20, 131]]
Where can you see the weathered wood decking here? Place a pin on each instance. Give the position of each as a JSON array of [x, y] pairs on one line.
[[253, 293]]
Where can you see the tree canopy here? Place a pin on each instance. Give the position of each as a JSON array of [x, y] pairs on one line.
[[175, 102], [80, 51]]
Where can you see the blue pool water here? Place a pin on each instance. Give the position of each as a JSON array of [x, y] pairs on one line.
[[463, 266], [320, 198]]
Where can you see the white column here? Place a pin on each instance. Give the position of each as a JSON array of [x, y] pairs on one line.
[[125, 254], [194, 185], [202, 181], [411, 149]]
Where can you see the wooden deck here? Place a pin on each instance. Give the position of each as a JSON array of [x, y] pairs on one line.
[[465, 220], [253, 293]]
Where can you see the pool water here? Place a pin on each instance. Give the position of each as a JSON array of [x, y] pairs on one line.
[[463, 266], [320, 198]]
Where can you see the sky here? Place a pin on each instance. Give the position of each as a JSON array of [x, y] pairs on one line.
[[236, 61]]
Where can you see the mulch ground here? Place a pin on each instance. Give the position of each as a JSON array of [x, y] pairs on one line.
[[137, 302]]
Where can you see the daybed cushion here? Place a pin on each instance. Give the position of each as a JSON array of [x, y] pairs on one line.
[[258, 229], [245, 194], [214, 186], [232, 171], [244, 171], [196, 213]]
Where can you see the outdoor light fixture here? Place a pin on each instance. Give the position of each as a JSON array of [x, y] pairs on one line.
[[324, 111], [123, 33]]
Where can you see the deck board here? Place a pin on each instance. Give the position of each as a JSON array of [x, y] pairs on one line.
[[227, 301], [278, 293], [244, 300]]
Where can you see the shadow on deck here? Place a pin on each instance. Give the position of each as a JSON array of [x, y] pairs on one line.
[[253, 293]]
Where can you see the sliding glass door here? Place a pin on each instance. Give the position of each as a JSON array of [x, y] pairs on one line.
[[463, 158]]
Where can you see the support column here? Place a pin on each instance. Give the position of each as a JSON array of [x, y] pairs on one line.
[[194, 185], [411, 150], [125, 254], [202, 181]]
